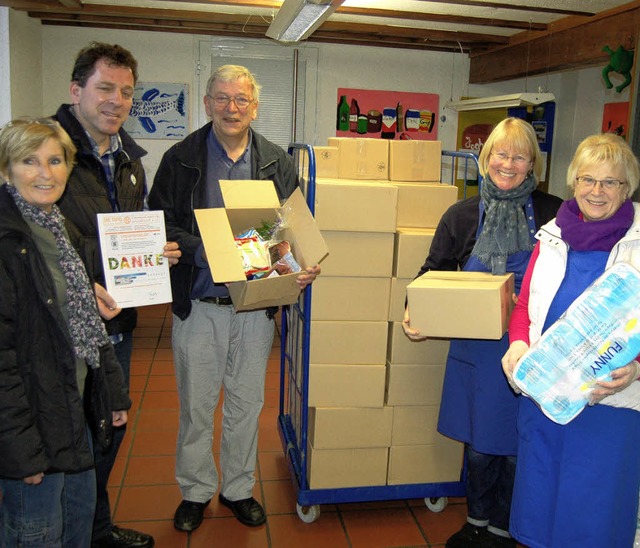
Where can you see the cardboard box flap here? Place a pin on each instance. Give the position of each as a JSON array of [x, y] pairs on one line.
[[461, 277], [302, 225], [249, 194], [218, 241]]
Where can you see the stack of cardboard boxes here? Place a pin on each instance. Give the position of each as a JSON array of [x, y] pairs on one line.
[[373, 394], [349, 427]]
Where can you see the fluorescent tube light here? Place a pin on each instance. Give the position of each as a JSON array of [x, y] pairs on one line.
[[501, 101], [297, 19]]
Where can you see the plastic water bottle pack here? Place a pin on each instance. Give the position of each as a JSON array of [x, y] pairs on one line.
[[598, 333]]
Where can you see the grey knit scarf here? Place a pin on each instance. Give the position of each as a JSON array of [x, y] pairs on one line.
[[505, 230]]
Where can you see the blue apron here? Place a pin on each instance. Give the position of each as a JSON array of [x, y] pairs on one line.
[[478, 407], [577, 484]]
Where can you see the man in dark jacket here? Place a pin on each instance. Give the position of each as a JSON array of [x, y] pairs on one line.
[[214, 345], [108, 177]]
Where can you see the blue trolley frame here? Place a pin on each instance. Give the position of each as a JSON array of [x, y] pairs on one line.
[[294, 384]]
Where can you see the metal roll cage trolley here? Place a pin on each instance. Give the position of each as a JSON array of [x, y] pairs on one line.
[[294, 385]]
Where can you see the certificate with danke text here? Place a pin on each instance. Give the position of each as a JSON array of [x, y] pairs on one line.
[[132, 244]]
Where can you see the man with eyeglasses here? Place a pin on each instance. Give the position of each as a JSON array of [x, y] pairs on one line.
[[107, 177], [214, 346]]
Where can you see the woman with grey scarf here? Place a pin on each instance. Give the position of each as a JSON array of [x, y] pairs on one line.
[[59, 375], [492, 232]]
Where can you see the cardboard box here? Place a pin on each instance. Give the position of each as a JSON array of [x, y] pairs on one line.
[[356, 205], [326, 161], [414, 384], [467, 305], [411, 250], [415, 425], [350, 427], [346, 298], [402, 349], [363, 254], [398, 298], [247, 205], [335, 468], [422, 205], [362, 158], [339, 385], [348, 342], [415, 160], [437, 463]]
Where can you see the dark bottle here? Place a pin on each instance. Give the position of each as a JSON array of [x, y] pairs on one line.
[[400, 118], [342, 123], [354, 112]]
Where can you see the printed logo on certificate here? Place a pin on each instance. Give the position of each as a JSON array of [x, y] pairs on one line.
[[132, 244]]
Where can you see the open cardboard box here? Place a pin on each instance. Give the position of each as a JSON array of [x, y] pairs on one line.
[[247, 205], [465, 305]]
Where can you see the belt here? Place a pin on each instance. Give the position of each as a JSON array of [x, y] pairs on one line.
[[222, 301]]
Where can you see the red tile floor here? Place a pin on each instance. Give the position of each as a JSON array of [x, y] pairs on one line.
[[144, 493]]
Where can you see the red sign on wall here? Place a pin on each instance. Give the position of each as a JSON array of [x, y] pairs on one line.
[[387, 114]]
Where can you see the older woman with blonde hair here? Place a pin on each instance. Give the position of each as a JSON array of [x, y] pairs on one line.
[[492, 232], [56, 360], [577, 484]]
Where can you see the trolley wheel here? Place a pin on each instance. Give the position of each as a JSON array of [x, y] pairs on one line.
[[308, 514], [436, 504]]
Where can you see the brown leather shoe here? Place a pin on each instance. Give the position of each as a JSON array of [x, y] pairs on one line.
[[247, 511]]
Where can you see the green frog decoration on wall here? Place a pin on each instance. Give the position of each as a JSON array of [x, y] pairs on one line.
[[620, 61]]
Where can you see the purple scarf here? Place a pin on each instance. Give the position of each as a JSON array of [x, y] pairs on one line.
[[602, 235]]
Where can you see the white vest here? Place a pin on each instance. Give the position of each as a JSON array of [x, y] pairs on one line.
[[551, 266]]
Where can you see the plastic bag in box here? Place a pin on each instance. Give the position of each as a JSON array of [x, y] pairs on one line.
[[598, 333]]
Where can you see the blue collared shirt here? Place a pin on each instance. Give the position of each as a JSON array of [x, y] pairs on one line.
[[219, 166]]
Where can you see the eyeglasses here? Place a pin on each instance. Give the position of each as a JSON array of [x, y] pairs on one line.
[[517, 160], [224, 100], [607, 184]]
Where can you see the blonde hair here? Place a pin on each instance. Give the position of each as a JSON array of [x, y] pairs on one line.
[[605, 148], [23, 136], [229, 73], [517, 135]]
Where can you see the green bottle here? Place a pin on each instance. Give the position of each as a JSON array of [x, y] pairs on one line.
[[342, 123]]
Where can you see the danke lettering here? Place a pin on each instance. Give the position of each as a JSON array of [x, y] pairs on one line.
[[605, 357], [136, 261]]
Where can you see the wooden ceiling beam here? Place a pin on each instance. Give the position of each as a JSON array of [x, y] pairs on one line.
[[510, 6], [339, 31], [561, 48], [76, 5], [235, 31]]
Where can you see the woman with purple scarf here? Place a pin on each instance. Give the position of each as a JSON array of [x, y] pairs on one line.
[[577, 484]]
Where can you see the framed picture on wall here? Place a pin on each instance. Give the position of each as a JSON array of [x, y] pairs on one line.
[[159, 111]]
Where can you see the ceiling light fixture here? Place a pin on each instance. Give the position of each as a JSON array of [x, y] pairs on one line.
[[501, 101], [298, 19]]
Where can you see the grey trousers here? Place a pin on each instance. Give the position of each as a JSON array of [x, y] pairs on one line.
[[214, 348]]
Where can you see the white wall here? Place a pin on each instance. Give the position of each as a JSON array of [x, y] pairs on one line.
[[387, 69], [5, 68], [25, 58]]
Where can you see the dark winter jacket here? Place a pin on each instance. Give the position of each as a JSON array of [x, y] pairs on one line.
[[455, 236], [178, 189], [86, 196], [42, 420]]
